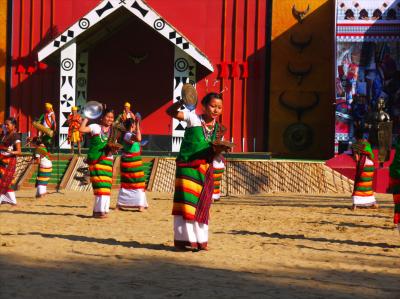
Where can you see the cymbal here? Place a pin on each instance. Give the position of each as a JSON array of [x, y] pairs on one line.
[[189, 96], [93, 110]]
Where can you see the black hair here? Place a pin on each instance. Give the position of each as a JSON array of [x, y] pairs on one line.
[[12, 120], [349, 14], [359, 133], [106, 111], [38, 141], [363, 14], [208, 97], [377, 14], [128, 123]]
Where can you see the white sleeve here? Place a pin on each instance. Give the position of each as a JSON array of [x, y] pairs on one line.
[[191, 118], [128, 136], [95, 129], [186, 116]]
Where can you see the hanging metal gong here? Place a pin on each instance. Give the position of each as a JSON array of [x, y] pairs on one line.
[[298, 136]]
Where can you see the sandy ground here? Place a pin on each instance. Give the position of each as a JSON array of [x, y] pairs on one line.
[[272, 246]]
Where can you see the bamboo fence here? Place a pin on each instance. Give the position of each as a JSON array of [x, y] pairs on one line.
[[265, 176], [243, 177]]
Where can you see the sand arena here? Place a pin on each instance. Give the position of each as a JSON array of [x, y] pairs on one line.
[[279, 246]]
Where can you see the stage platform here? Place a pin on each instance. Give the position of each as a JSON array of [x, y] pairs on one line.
[[345, 165]]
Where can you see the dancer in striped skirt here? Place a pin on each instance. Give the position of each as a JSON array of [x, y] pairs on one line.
[[194, 185], [44, 171], [132, 193], [10, 147], [100, 160], [395, 184], [363, 193]]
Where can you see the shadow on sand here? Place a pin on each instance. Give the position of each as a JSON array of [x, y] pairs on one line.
[[350, 224], [314, 239], [21, 212], [109, 241], [155, 277]]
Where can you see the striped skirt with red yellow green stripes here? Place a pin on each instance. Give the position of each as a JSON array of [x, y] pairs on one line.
[[363, 194], [132, 171], [44, 174], [101, 175], [219, 169], [364, 185], [188, 186], [395, 186]]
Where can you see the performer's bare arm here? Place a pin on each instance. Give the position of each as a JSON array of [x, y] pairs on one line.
[[174, 112], [136, 136], [132, 115], [53, 117], [84, 128], [138, 133], [18, 151]]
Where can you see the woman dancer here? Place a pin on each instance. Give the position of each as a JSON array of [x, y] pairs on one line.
[[194, 184], [45, 169], [133, 183], [363, 194], [10, 147], [100, 161]]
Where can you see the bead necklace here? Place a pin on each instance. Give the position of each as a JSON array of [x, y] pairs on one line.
[[104, 135], [207, 130], [7, 139]]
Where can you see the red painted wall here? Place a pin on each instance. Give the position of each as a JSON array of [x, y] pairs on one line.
[[225, 30], [114, 78]]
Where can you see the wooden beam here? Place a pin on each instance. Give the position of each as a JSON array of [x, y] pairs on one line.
[[152, 175], [68, 172]]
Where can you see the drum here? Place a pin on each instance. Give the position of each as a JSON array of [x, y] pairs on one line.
[[189, 96], [49, 132], [222, 145]]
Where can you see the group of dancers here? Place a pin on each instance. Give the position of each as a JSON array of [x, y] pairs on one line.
[[100, 160], [199, 167], [200, 164], [10, 148]]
